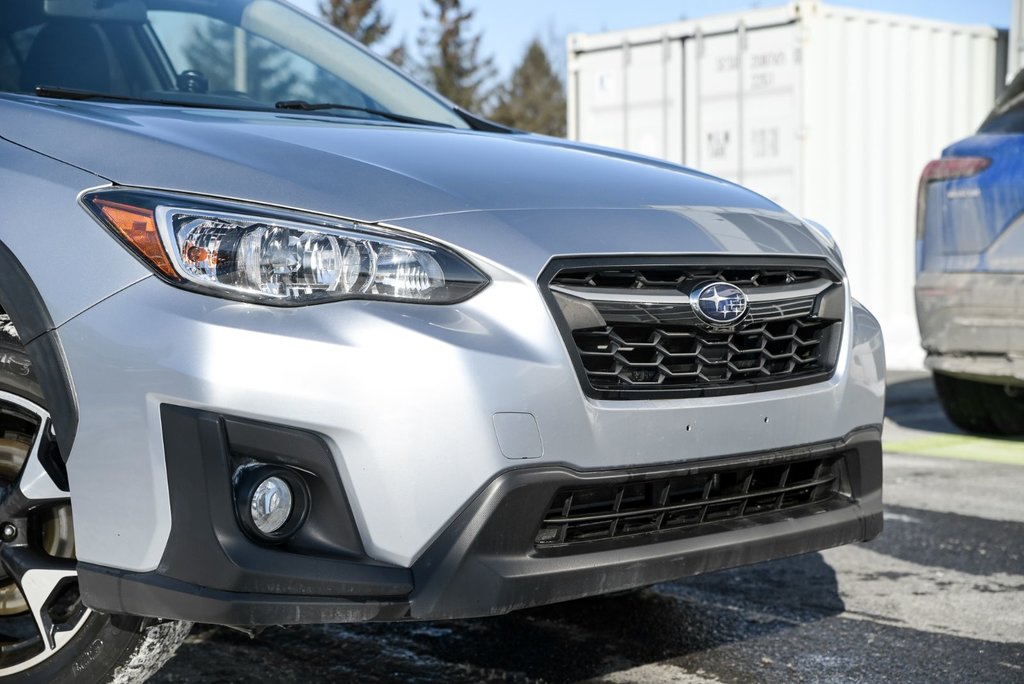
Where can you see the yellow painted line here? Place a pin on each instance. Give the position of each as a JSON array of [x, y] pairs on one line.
[[964, 447]]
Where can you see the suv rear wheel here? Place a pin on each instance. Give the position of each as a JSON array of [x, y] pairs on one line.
[[46, 633], [981, 407]]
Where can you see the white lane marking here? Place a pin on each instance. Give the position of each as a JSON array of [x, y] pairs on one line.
[[888, 590], [659, 673]]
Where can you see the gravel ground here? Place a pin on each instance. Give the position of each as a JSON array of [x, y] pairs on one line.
[[939, 597]]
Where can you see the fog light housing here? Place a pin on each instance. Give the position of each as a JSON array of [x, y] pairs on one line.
[[271, 502]]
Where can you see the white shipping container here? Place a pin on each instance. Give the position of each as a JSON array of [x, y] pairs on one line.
[[831, 112]]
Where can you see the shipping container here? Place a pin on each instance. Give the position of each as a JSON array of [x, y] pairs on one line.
[[830, 112]]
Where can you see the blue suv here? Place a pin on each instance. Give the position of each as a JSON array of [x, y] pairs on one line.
[[970, 271]]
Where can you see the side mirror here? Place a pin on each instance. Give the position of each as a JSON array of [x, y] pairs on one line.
[[193, 81]]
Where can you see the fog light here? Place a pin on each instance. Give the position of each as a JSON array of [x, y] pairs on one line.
[[271, 505], [271, 502]]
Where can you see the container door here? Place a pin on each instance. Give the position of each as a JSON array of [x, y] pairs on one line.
[[744, 113], [630, 98]]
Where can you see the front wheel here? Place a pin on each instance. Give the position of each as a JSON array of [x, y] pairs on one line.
[[46, 633]]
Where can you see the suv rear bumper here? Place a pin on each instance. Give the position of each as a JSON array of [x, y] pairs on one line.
[[484, 563], [972, 324]]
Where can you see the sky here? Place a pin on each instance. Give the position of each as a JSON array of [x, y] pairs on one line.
[[509, 25]]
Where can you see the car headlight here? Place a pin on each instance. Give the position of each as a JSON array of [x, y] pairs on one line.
[[275, 257]]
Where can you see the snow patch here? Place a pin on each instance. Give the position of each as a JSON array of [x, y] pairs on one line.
[[157, 646]]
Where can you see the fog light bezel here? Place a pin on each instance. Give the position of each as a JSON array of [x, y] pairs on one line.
[[247, 479]]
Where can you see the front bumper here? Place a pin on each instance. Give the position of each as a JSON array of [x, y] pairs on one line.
[[485, 563], [405, 397], [438, 433], [972, 324]]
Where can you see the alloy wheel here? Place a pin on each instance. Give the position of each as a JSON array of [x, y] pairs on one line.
[[40, 606]]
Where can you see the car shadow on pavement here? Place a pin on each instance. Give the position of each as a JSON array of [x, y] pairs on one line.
[[911, 402], [967, 543], [567, 642]]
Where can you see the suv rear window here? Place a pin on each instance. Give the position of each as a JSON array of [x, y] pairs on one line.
[[1008, 114]]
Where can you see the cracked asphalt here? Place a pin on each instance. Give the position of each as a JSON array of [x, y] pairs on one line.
[[938, 597]]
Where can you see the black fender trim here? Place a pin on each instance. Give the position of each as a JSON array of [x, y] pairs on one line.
[[20, 300]]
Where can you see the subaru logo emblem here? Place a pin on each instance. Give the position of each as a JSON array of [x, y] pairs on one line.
[[719, 303]]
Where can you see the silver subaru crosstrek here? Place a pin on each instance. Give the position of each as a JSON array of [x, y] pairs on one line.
[[286, 338]]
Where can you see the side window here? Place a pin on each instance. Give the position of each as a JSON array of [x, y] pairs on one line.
[[237, 62]]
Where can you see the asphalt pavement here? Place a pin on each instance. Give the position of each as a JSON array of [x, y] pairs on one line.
[[938, 597]]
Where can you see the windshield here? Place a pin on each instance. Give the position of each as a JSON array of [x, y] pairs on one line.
[[249, 54]]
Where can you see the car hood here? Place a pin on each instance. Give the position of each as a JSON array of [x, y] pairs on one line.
[[389, 173]]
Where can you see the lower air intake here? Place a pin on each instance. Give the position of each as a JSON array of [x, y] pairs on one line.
[[688, 505]]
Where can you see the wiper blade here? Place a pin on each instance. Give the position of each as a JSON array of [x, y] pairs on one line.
[[304, 106], [297, 105], [75, 94]]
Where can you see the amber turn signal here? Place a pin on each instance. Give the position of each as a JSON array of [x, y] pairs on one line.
[[137, 226]]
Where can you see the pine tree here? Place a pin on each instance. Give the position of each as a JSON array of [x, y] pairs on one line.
[[399, 55], [364, 20], [534, 98], [268, 73], [453, 64]]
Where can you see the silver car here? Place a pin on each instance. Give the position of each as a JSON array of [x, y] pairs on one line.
[[297, 341]]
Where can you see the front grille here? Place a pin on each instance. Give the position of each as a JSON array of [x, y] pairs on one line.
[[634, 333], [688, 505]]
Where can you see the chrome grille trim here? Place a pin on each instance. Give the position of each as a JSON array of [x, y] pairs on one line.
[[648, 295]]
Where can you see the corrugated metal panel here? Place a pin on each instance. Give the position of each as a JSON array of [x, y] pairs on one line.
[[830, 112], [1015, 53], [745, 109], [632, 97]]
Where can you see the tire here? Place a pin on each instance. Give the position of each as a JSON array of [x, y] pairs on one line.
[[54, 637], [980, 407], [115, 649], [1006, 408]]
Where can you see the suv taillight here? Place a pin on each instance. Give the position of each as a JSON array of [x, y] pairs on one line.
[[947, 168]]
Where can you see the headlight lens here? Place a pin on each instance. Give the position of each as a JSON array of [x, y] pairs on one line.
[[280, 258]]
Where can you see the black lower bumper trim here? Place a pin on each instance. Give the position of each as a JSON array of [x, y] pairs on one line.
[[152, 595], [486, 562]]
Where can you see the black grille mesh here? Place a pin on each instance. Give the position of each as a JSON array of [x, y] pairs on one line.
[[683, 356], [647, 347], [686, 505]]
